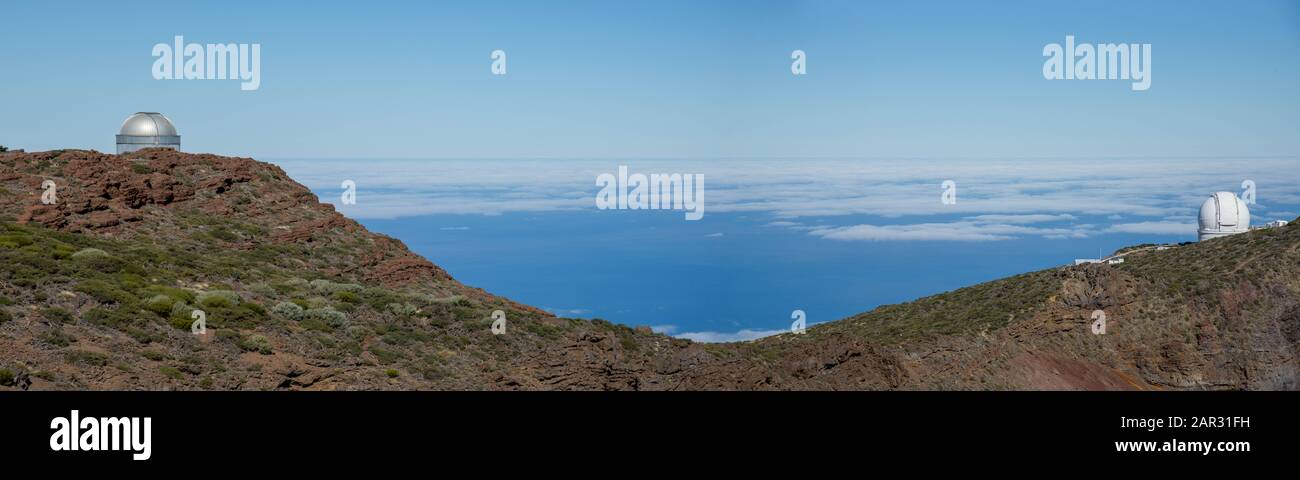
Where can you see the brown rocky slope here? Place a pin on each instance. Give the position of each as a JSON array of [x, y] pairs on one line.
[[98, 289]]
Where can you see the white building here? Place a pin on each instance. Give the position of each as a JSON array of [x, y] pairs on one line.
[[1276, 223], [147, 130], [1221, 215]]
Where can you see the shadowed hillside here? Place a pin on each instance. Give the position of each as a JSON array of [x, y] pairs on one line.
[[98, 291]]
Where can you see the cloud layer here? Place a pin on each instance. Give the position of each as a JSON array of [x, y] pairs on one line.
[[996, 199], [838, 200]]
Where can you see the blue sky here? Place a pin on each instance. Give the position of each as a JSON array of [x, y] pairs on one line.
[[678, 79]]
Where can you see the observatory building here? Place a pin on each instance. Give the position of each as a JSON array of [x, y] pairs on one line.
[[1223, 214], [147, 130]]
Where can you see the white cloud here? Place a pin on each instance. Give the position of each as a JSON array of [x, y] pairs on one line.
[[453, 228], [993, 192], [720, 337], [962, 231], [1023, 219], [714, 235], [664, 329], [567, 311], [1155, 228]]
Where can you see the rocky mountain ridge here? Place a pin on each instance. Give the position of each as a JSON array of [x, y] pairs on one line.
[[98, 289]]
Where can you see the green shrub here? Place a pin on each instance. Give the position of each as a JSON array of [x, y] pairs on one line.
[[178, 294], [57, 315], [63, 251], [182, 316], [386, 356], [378, 298], [57, 337], [346, 296], [86, 357], [117, 318], [454, 300], [7, 377], [401, 309], [104, 292], [224, 235], [98, 260], [263, 290], [358, 331], [328, 287], [171, 372], [182, 309], [254, 307], [289, 286], [130, 280], [89, 253], [315, 324], [256, 343], [154, 355], [5, 301], [218, 299], [330, 316], [160, 304], [546, 331], [465, 313], [5, 316], [391, 373], [405, 336], [15, 240], [288, 311]]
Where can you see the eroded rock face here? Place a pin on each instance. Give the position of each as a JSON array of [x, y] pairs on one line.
[[1095, 287]]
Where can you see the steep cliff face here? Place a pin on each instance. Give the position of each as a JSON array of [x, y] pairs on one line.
[[98, 290]]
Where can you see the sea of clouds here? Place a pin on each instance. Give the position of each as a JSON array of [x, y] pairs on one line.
[[996, 199], [829, 199]]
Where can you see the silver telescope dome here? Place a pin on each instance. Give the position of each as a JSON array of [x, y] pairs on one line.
[[147, 130]]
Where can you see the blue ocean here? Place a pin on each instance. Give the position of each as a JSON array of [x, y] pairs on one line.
[[830, 237]]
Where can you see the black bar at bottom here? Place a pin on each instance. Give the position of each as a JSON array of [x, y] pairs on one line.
[[474, 427]]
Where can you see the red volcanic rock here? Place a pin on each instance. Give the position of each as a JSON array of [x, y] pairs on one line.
[[100, 193]]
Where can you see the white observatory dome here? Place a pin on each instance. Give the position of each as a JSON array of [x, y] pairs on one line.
[[147, 130], [1223, 214]]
